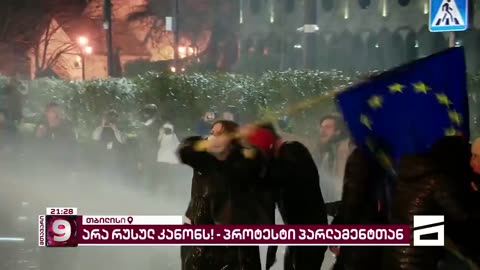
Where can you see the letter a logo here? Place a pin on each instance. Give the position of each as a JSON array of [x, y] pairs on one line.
[[428, 231]]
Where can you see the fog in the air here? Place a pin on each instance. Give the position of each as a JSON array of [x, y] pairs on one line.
[[24, 196]]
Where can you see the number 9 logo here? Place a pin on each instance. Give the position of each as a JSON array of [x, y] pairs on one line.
[[62, 230]]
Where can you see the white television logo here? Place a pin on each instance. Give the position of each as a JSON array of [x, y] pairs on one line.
[[431, 227]]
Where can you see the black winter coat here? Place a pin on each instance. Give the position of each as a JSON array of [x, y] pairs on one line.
[[359, 205], [421, 190], [223, 192], [300, 201]]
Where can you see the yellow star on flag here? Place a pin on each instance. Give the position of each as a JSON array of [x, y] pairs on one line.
[[443, 99], [455, 117], [366, 121], [420, 87], [396, 88], [375, 102], [450, 131]]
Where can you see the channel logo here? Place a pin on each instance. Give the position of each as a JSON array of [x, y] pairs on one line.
[[428, 231], [57, 231]]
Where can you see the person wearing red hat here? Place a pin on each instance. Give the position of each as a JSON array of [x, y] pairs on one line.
[[225, 174], [294, 180]]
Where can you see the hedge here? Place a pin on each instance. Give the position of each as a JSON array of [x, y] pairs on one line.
[[185, 97]]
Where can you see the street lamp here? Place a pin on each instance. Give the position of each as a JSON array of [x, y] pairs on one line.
[[87, 50], [83, 41], [84, 50]]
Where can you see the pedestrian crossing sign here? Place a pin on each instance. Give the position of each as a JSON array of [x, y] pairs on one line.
[[448, 15]]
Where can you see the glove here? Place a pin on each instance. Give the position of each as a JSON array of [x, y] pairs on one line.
[[201, 146]]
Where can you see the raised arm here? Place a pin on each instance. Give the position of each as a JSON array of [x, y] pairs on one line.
[[192, 152]]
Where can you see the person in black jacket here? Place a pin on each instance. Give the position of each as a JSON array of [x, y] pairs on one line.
[[57, 141], [223, 192], [423, 189], [360, 205], [148, 146], [111, 142], [452, 157], [293, 173]]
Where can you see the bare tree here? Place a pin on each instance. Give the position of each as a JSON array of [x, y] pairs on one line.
[[19, 21], [48, 49], [30, 26]]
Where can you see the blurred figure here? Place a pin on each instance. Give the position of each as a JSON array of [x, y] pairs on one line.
[[475, 158], [6, 138], [230, 114], [58, 161], [424, 189], [168, 163], [331, 155], [452, 157], [57, 139], [222, 193], [294, 176], [148, 146], [360, 205], [111, 141], [11, 104], [11, 108], [205, 124]]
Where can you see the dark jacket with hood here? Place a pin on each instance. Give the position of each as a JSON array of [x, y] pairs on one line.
[[360, 205], [422, 190], [223, 192]]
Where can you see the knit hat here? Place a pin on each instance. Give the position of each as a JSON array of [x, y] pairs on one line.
[[262, 138]]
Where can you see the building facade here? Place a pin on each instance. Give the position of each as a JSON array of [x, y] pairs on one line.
[[353, 35]]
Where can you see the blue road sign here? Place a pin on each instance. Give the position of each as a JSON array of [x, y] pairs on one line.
[[448, 15]]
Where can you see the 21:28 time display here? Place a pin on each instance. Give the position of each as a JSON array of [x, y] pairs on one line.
[[61, 211]]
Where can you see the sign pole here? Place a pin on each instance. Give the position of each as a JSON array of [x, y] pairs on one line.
[[451, 39], [449, 16]]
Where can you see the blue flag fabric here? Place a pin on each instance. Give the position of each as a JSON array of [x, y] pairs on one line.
[[407, 109]]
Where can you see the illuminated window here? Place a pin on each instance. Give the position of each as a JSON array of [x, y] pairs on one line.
[[327, 5], [403, 3], [364, 4]]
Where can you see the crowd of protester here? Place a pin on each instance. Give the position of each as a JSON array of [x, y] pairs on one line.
[[243, 173], [230, 187]]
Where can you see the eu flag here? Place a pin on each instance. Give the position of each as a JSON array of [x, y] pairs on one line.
[[407, 109]]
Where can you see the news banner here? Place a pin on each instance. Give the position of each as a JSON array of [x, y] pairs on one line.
[[63, 227]]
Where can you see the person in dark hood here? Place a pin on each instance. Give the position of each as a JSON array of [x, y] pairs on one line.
[[148, 146], [360, 205], [425, 189], [293, 174], [223, 192]]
